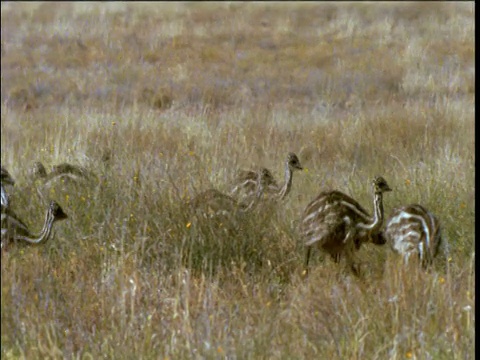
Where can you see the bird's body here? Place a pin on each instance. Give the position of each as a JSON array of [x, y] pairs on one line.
[[338, 224], [413, 231], [62, 171], [246, 183], [65, 178], [6, 179], [5, 198], [69, 169], [221, 208]]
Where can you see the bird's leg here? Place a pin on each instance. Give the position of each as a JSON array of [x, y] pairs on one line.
[[307, 258], [349, 251]]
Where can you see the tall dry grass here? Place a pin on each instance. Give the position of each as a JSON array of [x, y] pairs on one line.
[[181, 95]]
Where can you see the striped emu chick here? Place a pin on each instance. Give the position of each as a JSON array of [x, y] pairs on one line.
[[213, 201], [339, 225], [15, 230], [6, 179], [60, 171], [246, 182], [412, 230], [222, 210]]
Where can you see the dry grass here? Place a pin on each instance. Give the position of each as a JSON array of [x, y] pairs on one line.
[[184, 94]]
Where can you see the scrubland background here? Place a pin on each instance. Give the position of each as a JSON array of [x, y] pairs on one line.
[[164, 100]]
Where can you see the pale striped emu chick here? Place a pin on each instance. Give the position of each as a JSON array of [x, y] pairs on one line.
[[15, 230], [339, 225], [6, 179], [413, 231], [246, 182]]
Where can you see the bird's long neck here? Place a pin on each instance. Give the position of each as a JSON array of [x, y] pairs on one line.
[[378, 214], [44, 235], [287, 186]]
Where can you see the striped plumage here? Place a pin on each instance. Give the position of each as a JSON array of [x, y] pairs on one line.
[[338, 224], [4, 197], [15, 230], [412, 230], [60, 171], [6, 179], [223, 210], [213, 201], [246, 182]]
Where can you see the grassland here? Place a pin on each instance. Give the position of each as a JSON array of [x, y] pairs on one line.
[[181, 96]]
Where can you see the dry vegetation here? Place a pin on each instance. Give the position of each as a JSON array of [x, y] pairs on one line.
[[183, 95]]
